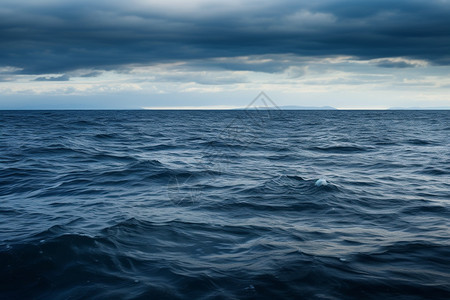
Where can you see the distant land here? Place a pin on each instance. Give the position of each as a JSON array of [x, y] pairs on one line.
[[420, 108], [293, 107], [288, 107]]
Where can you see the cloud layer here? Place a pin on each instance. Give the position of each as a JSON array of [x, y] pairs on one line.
[[144, 53], [58, 37]]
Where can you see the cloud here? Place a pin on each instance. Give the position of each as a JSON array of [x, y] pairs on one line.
[[53, 78], [91, 74], [9, 70], [55, 37], [399, 62]]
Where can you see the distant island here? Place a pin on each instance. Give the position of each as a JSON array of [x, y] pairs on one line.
[[293, 107], [289, 107], [286, 107], [420, 108]]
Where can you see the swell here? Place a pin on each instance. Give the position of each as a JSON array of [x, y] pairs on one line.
[[181, 205], [340, 149], [138, 258]]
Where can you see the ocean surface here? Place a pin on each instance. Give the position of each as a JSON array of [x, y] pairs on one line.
[[225, 204]]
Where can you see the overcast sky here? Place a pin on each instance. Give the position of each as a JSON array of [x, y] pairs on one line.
[[210, 53]]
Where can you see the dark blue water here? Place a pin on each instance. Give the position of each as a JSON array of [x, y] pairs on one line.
[[225, 204]]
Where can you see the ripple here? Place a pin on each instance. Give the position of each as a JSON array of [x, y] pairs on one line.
[[188, 205]]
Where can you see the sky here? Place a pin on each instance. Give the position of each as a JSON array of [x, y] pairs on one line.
[[80, 54]]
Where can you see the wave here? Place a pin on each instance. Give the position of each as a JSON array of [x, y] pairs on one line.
[[145, 204], [102, 136], [434, 171], [419, 142], [138, 258], [340, 149]]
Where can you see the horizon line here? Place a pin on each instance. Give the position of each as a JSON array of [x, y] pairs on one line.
[[288, 107], [208, 108]]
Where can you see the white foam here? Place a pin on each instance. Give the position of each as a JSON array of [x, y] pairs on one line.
[[321, 182]]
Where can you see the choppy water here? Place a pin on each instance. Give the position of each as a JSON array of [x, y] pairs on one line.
[[225, 204]]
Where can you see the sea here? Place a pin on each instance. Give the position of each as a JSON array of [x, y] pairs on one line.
[[230, 204]]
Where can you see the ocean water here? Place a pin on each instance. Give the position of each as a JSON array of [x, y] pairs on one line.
[[224, 204]]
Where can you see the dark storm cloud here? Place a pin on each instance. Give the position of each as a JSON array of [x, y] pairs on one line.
[[64, 36]]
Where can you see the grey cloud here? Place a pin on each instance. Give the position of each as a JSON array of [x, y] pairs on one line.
[[204, 79], [5, 78], [60, 37], [92, 74], [393, 64], [53, 78], [258, 63]]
